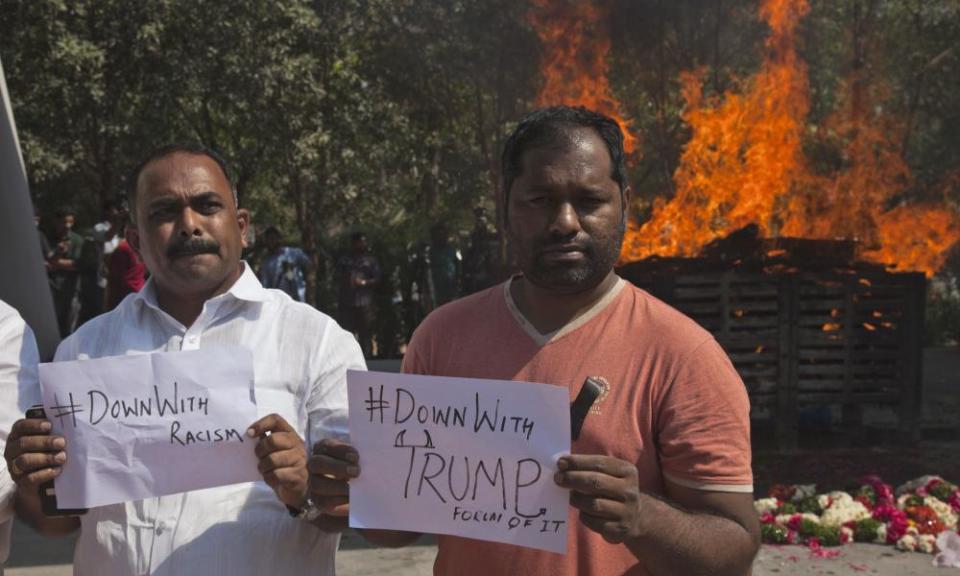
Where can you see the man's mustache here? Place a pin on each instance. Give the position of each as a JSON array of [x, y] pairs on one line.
[[193, 246]]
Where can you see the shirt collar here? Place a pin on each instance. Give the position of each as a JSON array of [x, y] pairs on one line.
[[247, 288]]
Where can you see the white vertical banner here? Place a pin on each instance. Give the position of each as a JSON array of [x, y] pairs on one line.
[[23, 278]]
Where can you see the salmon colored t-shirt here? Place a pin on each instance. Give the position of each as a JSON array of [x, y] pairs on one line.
[[674, 406]]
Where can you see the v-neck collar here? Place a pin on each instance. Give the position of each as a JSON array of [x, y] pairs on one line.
[[541, 339]]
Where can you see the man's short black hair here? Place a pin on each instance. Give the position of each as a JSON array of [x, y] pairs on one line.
[[65, 211], [550, 128], [194, 148]]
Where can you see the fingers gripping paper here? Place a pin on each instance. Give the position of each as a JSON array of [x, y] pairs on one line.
[[151, 424], [460, 456]]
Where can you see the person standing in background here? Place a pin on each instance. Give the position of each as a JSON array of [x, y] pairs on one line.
[[63, 267], [45, 251], [444, 266], [284, 267], [103, 239], [359, 274], [479, 263], [126, 272]]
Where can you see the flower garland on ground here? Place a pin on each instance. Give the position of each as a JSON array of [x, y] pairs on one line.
[[910, 518]]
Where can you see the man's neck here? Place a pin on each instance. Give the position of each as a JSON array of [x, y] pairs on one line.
[[186, 307], [550, 311]]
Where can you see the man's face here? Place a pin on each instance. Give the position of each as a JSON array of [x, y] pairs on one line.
[[360, 245], [188, 229], [66, 222], [566, 214], [272, 240]]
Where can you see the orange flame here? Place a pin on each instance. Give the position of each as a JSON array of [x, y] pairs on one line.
[[576, 44], [745, 152], [854, 202], [744, 164]]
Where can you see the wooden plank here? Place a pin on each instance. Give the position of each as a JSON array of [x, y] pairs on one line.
[[748, 344], [821, 370], [818, 337], [839, 354], [698, 308], [754, 306], [821, 304], [815, 398], [696, 294], [851, 415], [747, 358], [786, 416], [754, 321]]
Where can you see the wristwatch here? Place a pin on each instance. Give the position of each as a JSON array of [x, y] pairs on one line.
[[308, 512]]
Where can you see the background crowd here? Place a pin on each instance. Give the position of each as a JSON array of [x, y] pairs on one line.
[[379, 293]]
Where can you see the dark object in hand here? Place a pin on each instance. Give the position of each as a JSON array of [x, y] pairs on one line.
[[48, 496]]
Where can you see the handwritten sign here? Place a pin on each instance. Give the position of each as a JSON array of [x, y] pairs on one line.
[[151, 424], [460, 456]]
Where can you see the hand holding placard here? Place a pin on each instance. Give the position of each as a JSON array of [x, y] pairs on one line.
[[460, 456], [134, 424]]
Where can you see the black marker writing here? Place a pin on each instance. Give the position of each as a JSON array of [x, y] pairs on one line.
[[184, 438], [376, 405], [102, 405], [61, 410], [496, 423]]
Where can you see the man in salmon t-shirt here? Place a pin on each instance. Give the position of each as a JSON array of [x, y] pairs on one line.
[[659, 479]]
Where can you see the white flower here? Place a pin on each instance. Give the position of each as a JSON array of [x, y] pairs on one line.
[[927, 543], [846, 535], [833, 499], [943, 510], [810, 516], [766, 505], [916, 483], [907, 543], [902, 501], [804, 491], [784, 519], [881, 534], [843, 511], [823, 500]]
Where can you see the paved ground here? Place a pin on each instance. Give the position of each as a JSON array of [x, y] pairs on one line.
[[856, 559]]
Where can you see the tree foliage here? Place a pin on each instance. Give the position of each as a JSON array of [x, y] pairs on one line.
[[390, 114]]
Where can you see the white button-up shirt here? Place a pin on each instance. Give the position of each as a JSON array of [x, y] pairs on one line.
[[19, 390], [300, 359]]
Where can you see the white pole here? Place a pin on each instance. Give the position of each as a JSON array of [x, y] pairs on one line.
[[23, 278]]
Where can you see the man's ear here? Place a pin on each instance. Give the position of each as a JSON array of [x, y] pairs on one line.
[[133, 239], [243, 220], [625, 200]]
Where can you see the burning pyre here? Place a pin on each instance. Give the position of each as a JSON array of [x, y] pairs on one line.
[[744, 163]]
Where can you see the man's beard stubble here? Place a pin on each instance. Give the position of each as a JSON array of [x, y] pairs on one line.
[[601, 254]]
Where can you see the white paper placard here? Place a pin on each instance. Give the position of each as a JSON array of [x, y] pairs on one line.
[[149, 425], [460, 456]]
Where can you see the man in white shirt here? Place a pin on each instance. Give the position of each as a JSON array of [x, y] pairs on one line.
[[190, 233], [18, 390]]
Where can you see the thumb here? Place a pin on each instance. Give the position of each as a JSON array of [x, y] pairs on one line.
[[270, 423]]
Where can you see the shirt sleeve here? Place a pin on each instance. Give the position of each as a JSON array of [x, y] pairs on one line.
[[703, 424], [302, 259], [19, 389], [76, 247], [327, 401]]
